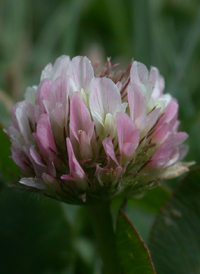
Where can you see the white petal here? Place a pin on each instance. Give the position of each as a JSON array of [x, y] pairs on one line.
[[32, 182], [81, 72], [22, 116], [46, 73], [59, 68], [176, 170], [104, 98], [30, 94], [139, 73]]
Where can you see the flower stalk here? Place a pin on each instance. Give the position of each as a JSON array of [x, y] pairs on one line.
[[102, 223]]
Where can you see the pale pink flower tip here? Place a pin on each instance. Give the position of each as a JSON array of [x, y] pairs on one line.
[[81, 134]]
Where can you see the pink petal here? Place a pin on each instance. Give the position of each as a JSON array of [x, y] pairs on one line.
[[20, 158], [58, 115], [35, 159], [167, 154], [170, 114], [128, 150], [36, 156], [80, 118], [81, 128], [73, 163], [76, 172], [43, 93], [128, 136], [51, 169], [180, 137], [60, 90], [44, 137], [137, 101], [110, 152], [152, 117], [141, 122], [176, 125], [161, 134]]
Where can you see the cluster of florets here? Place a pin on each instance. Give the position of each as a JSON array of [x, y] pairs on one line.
[[80, 137]]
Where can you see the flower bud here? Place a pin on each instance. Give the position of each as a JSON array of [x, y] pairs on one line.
[[83, 138]]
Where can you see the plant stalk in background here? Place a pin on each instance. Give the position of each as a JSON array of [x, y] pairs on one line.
[[103, 228]]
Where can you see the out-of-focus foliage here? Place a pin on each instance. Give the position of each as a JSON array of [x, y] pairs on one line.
[[175, 235], [162, 33], [34, 235]]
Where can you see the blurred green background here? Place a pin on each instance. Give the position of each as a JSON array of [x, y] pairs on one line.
[[38, 235]]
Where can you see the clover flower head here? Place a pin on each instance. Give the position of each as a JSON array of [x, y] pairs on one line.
[[82, 137]]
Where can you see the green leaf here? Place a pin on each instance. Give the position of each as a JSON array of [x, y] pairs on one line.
[[148, 201], [133, 253], [34, 235], [142, 220], [141, 211], [153, 199], [175, 236]]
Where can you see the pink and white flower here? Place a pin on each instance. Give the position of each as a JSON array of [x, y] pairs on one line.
[[80, 137]]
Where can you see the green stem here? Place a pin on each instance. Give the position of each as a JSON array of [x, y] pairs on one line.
[[102, 223]]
